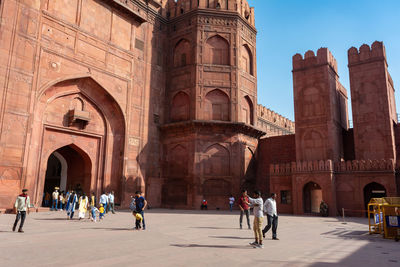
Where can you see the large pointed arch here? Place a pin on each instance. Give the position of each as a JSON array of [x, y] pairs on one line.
[[103, 140]]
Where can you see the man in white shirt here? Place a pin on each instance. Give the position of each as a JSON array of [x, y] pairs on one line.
[[55, 195], [21, 206], [257, 204], [104, 200], [111, 202], [272, 216]]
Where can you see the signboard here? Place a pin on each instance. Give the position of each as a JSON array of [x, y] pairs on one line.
[[378, 218], [393, 221]]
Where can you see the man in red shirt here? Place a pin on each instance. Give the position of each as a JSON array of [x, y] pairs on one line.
[[244, 208]]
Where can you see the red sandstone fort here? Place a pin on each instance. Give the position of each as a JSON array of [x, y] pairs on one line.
[[161, 96]]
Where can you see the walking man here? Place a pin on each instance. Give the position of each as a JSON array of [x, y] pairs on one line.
[[22, 204], [244, 208], [55, 199], [231, 202], [111, 202], [141, 204], [257, 204], [104, 200], [272, 216]]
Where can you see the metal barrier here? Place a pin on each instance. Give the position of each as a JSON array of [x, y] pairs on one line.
[[391, 212], [384, 217], [375, 215]]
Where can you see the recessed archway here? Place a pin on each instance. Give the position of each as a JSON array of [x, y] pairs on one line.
[[312, 197], [77, 177], [84, 117], [373, 190]]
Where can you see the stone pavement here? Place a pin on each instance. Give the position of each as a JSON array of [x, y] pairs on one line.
[[190, 238]]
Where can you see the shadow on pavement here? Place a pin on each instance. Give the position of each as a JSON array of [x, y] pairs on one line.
[[51, 219], [385, 256], [230, 237], [213, 227], [111, 229], [209, 246]]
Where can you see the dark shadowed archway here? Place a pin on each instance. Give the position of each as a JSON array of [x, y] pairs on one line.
[[312, 197], [373, 190]]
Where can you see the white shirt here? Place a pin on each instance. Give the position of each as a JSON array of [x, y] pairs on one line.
[[270, 207], [111, 198], [231, 200], [103, 199], [22, 203], [257, 204], [55, 195]]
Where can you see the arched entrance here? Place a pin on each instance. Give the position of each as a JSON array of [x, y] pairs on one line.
[[82, 122], [312, 197], [373, 190], [77, 177]]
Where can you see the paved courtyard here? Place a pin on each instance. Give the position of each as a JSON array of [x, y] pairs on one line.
[[190, 238]]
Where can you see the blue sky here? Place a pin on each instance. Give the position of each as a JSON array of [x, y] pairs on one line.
[[287, 27]]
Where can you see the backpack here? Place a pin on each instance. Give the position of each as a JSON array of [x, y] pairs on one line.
[[132, 206]]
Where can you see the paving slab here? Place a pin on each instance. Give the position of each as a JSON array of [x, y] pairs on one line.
[[190, 238]]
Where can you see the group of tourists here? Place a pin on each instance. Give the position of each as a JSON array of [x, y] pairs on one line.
[[84, 204], [260, 208], [88, 203]]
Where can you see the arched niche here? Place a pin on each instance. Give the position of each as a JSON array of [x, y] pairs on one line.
[[247, 59], [313, 143], [217, 106], [217, 161], [247, 110], [216, 51], [180, 107], [182, 53], [178, 161]]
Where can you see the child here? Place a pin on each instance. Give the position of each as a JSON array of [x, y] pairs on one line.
[[101, 211], [139, 220], [93, 212]]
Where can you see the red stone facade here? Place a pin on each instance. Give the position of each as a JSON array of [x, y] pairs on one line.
[[161, 96], [126, 95], [343, 166]]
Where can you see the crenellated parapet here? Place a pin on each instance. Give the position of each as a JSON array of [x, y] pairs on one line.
[[323, 57], [328, 165], [365, 165], [301, 166], [175, 8], [366, 53], [275, 118]]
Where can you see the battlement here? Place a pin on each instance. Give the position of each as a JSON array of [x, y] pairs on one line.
[[301, 166], [366, 53], [324, 56], [328, 165], [175, 8], [275, 118]]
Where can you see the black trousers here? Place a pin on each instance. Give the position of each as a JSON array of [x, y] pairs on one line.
[[20, 215], [272, 222]]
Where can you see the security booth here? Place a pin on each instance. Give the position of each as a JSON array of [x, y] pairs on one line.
[[375, 215], [391, 213]]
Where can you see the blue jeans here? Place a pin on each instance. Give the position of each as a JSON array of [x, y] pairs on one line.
[[105, 207], [93, 214], [55, 203], [60, 206], [230, 206]]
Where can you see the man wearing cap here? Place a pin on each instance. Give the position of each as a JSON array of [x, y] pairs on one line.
[[21, 206], [55, 199]]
